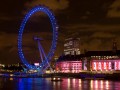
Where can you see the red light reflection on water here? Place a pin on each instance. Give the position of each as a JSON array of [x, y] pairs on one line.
[[80, 84]]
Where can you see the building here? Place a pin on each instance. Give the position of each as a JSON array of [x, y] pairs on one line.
[[103, 60], [72, 46], [90, 61], [69, 64]]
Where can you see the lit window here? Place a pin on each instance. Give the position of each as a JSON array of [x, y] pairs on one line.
[[94, 66], [115, 65], [119, 65], [105, 65], [99, 65], [109, 65]]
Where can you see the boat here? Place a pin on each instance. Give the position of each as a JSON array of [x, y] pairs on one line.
[[56, 79]]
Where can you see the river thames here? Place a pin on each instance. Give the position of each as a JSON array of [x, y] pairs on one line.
[[66, 84]]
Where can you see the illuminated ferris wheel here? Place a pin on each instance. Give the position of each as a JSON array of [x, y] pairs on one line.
[[45, 58]]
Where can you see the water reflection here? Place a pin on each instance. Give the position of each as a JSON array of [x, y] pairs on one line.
[[24, 84], [91, 84], [107, 84], [96, 84], [66, 84], [11, 79], [101, 84]]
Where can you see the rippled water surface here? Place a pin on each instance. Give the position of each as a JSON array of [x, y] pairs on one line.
[[66, 84]]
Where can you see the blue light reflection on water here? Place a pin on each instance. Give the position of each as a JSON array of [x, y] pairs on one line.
[[25, 84], [33, 84], [66, 84]]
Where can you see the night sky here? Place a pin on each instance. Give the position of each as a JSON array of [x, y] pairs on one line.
[[95, 22]]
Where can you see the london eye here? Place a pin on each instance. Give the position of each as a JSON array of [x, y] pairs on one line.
[[45, 58]]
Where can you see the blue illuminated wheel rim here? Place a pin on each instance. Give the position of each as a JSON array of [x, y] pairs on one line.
[[54, 37]]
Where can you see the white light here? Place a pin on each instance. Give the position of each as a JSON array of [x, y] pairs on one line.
[[107, 85], [94, 66], [96, 84], [36, 64], [101, 84], [104, 65], [11, 75], [115, 65], [99, 65], [68, 83], [109, 65], [91, 83], [119, 65]]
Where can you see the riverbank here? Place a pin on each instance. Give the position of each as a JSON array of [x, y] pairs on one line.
[[81, 75], [87, 75]]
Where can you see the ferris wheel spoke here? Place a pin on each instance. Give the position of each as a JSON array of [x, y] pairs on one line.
[[40, 52]]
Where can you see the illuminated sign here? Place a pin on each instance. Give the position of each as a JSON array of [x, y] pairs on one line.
[[36, 64]]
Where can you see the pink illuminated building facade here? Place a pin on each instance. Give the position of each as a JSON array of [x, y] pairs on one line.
[[69, 64], [90, 61], [104, 60], [105, 65]]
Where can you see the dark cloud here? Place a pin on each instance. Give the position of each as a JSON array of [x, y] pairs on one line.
[[103, 35], [96, 22], [92, 27], [114, 10], [7, 40], [3, 18], [52, 4]]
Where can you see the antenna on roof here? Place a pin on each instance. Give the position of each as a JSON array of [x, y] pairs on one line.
[[114, 47]]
